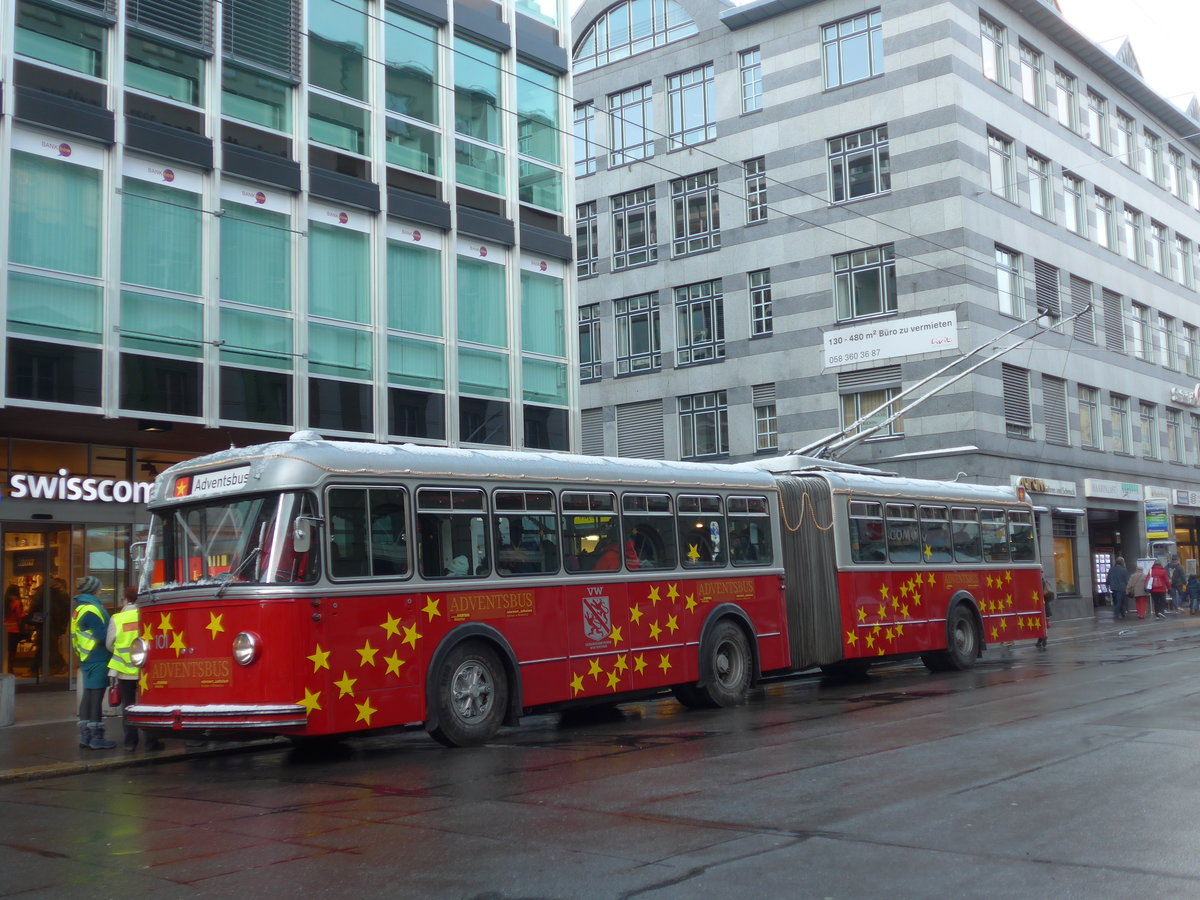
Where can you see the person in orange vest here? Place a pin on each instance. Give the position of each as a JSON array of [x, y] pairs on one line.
[[89, 625], [122, 632]]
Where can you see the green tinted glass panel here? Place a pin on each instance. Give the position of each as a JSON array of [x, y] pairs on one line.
[[161, 325], [540, 186], [255, 98], [160, 237], [339, 274], [537, 113], [339, 351], [256, 339], [476, 91], [418, 363], [482, 373], [545, 381], [61, 40], [256, 257], [52, 308], [164, 70], [410, 50], [482, 302], [337, 36], [414, 288], [54, 216], [478, 167], [413, 147], [337, 124], [542, 316]]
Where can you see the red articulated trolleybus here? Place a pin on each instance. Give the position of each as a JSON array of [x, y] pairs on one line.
[[313, 588]]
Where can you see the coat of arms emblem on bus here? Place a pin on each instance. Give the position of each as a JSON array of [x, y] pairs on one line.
[[597, 618]]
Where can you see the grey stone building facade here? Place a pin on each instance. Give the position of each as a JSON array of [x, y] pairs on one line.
[[791, 211]]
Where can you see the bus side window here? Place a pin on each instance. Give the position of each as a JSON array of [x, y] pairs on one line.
[[866, 532], [524, 532], [347, 532], [902, 536], [935, 534], [1020, 536], [450, 533], [995, 535], [649, 530], [750, 531], [701, 532], [591, 533], [389, 532], [967, 547]]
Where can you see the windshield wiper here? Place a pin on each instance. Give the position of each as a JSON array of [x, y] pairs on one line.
[[233, 576]]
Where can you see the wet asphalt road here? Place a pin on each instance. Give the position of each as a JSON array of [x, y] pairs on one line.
[[1065, 773]]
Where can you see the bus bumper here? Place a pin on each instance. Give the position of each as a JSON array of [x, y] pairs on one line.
[[218, 717]]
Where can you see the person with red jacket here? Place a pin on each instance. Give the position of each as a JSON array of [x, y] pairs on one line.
[[1158, 583]]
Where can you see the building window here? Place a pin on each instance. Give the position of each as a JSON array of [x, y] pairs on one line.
[[1066, 91], [1152, 162], [1139, 331], [1106, 221], [1122, 431], [1033, 77], [1003, 171], [699, 322], [61, 40], [859, 165], [1164, 341], [696, 218], [1193, 188], [1158, 259], [1185, 349], [585, 139], [869, 392], [703, 425], [1148, 429], [1041, 193], [638, 346], [864, 282], [1135, 248], [1010, 285], [756, 189], [1176, 178], [1054, 411], [760, 303], [1194, 429], [1075, 212], [1097, 121], [692, 107], [1090, 432], [766, 423], [589, 342], [1126, 148], [1184, 262], [630, 28], [853, 48], [635, 232], [1174, 435], [993, 39], [1046, 290], [631, 117], [1018, 412], [587, 248], [1082, 307], [750, 65]]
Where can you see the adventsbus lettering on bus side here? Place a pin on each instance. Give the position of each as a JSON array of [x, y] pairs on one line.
[[310, 587]]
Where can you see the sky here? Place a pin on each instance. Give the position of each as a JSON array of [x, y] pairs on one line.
[[1162, 32]]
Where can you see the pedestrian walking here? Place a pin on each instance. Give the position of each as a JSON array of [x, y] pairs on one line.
[[1117, 582], [1178, 579], [1047, 604], [122, 631], [1193, 594], [89, 628], [1159, 584], [1137, 590]]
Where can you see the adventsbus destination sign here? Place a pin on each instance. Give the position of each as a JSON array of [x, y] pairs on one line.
[[65, 486]]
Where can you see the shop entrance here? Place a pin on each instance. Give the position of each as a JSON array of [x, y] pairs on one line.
[[37, 603]]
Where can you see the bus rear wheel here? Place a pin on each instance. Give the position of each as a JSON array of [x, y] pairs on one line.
[[470, 696], [962, 643], [726, 658]]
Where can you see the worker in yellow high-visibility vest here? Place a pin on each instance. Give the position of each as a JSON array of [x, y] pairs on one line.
[[89, 626], [122, 631]]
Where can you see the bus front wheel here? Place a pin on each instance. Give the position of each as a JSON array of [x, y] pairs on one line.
[[962, 639], [726, 658], [470, 696]]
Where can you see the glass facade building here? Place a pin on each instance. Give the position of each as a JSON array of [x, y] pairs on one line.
[[224, 222]]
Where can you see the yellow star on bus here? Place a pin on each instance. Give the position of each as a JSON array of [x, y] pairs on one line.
[[904, 610], [391, 626], [862, 614], [594, 669], [143, 682], [320, 659], [693, 552], [672, 592], [1036, 597], [653, 596], [346, 684], [1004, 624], [410, 636], [148, 633], [883, 590], [635, 614], [851, 638], [1008, 600], [916, 599], [672, 625], [889, 635], [899, 631], [691, 602], [615, 634], [431, 607], [164, 624], [880, 651], [1008, 576], [995, 634], [664, 662], [882, 611], [928, 551], [870, 640], [177, 644], [394, 662], [214, 624], [366, 654], [655, 631], [614, 679], [365, 711], [639, 664], [311, 701], [620, 665], [576, 684]]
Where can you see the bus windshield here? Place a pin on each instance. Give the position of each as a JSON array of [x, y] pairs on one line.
[[244, 540]]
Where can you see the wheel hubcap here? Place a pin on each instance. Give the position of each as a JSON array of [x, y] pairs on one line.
[[471, 691], [727, 665]]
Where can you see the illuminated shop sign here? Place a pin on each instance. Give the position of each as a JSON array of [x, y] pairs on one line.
[[82, 488]]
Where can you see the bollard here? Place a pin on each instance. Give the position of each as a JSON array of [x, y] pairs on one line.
[[8, 699]]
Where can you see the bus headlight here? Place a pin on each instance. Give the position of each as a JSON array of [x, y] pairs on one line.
[[245, 648], [137, 652]]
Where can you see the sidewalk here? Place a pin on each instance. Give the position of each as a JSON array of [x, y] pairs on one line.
[[42, 743]]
